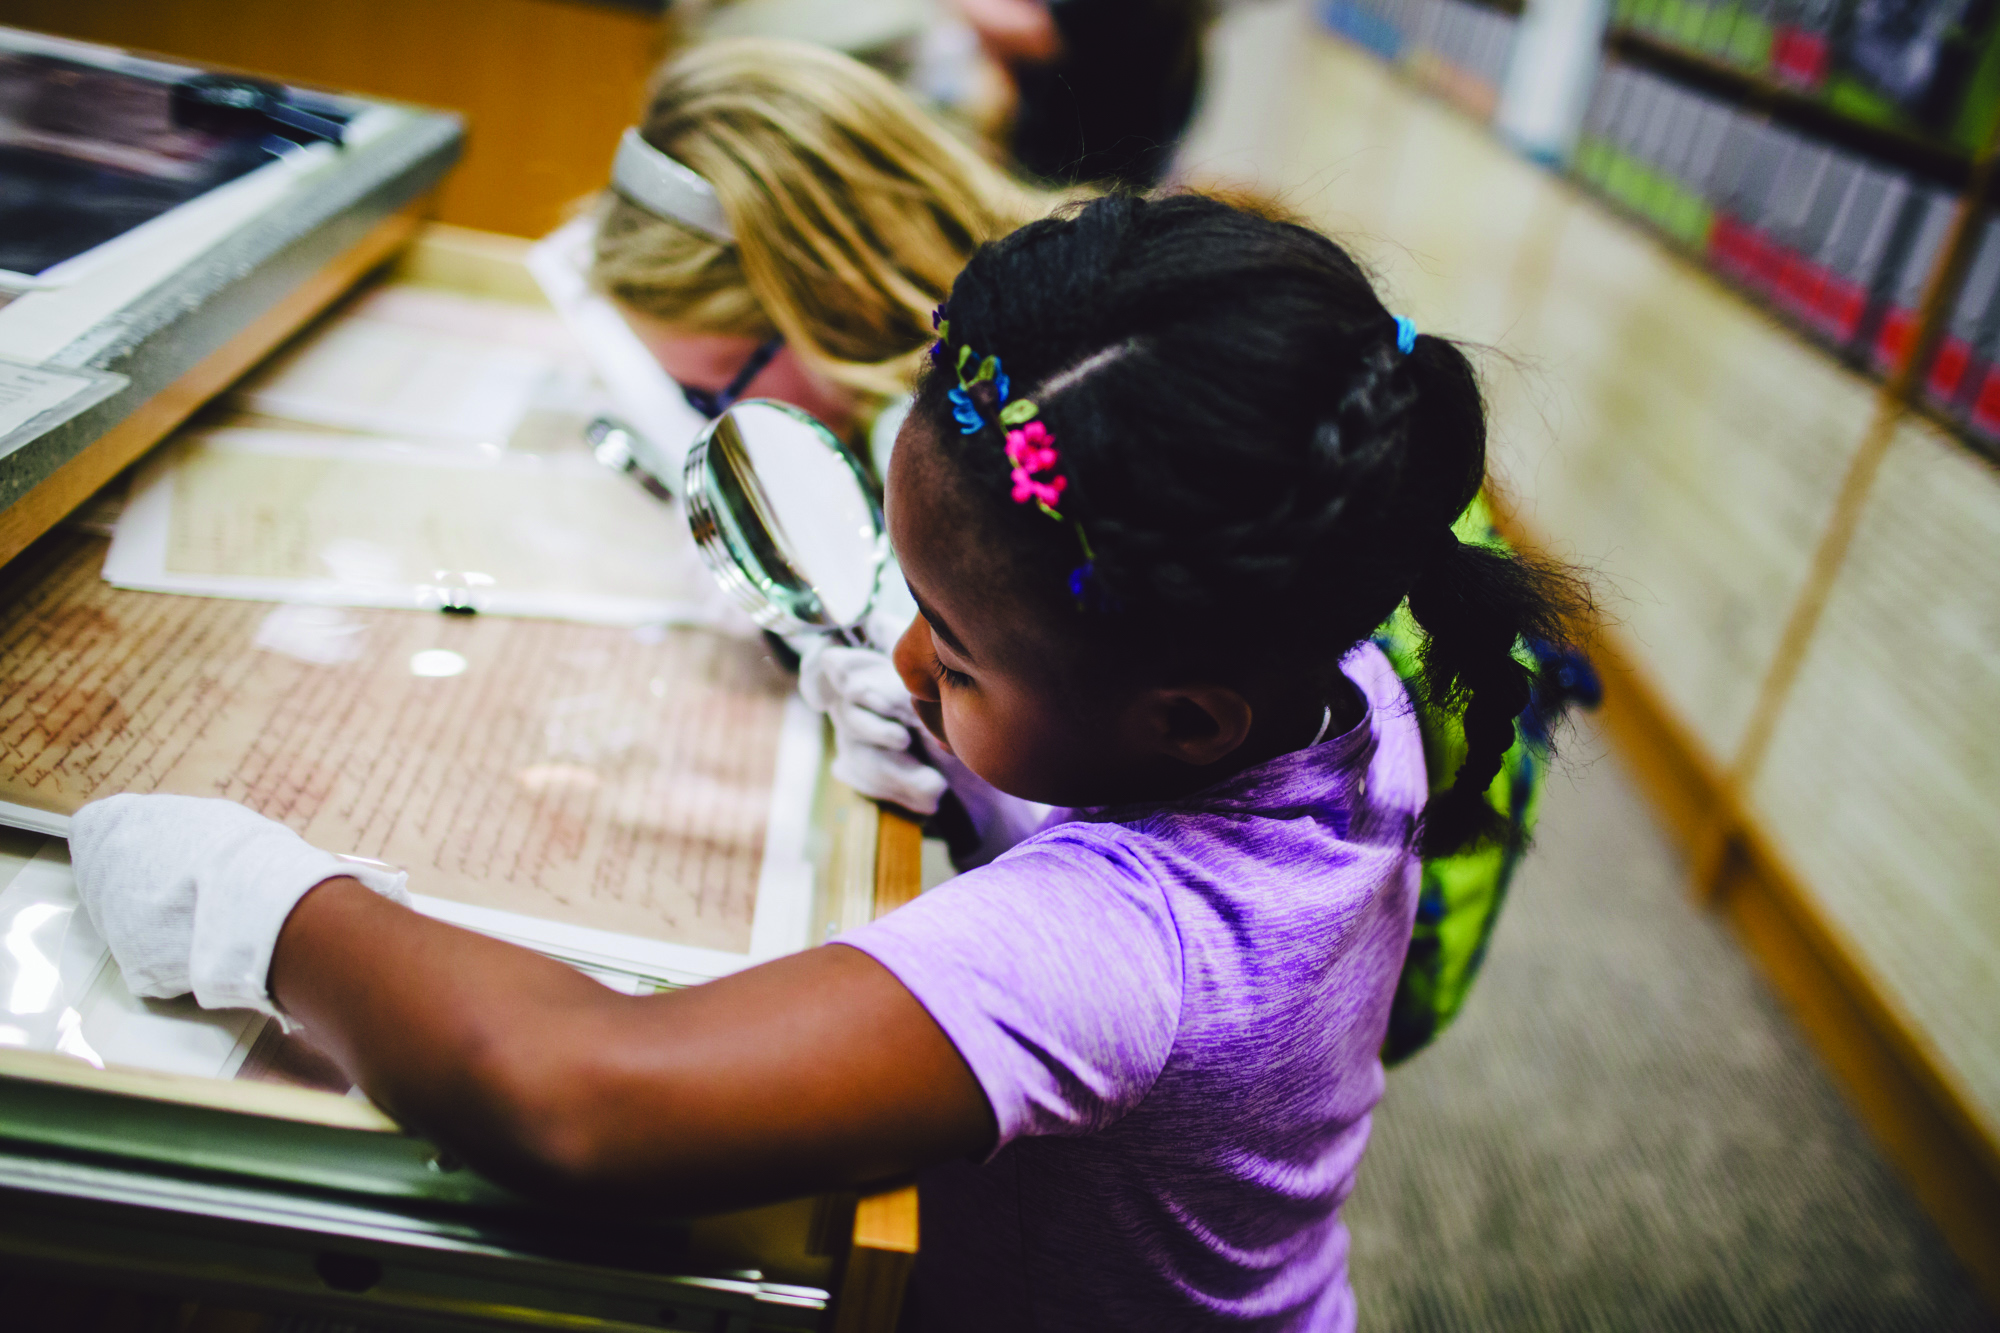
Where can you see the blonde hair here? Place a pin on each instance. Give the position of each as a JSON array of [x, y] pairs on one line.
[[853, 210]]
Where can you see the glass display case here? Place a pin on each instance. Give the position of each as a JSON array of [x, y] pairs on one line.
[[209, 1154], [162, 228]]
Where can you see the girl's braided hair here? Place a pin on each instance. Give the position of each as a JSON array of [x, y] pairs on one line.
[[1262, 476]]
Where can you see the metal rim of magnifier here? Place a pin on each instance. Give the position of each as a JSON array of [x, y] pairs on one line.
[[711, 525]]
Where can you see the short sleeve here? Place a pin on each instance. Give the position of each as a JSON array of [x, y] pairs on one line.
[[1055, 971]]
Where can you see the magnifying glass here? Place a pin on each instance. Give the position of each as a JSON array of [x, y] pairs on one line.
[[786, 519]]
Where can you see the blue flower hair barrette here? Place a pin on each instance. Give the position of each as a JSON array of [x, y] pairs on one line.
[[974, 370]]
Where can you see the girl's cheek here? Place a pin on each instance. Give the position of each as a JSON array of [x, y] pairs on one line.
[[932, 716], [980, 737]]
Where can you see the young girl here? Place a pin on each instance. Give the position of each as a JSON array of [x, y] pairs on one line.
[[1172, 465], [785, 223]]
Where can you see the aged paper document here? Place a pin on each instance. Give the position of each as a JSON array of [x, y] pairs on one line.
[[605, 778], [61, 993], [412, 362], [1686, 451], [355, 521]]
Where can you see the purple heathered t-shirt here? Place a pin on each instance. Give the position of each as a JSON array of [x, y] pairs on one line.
[[1175, 1012]]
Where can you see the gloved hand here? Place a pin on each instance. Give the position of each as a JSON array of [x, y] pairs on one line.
[[881, 749], [875, 725], [190, 894]]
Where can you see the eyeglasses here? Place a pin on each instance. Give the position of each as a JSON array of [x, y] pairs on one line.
[[711, 404]]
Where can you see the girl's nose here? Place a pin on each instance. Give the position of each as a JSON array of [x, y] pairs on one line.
[[912, 657]]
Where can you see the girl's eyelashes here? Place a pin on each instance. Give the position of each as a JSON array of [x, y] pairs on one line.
[[942, 673]]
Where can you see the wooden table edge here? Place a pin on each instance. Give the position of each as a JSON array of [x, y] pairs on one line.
[[884, 1248]]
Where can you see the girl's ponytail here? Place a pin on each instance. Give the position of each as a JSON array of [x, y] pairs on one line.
[[1477, 604]]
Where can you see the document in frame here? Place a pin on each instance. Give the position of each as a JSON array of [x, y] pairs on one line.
[[356, 521], [61, 994], [631, 800], [412, 363]]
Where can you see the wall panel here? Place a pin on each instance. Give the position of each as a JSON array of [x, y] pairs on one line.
[[1692, 451], [1880, 781]]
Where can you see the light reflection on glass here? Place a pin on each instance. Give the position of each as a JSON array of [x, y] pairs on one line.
[[437, 662], [321, 635], [36, 974], [69, 1038]]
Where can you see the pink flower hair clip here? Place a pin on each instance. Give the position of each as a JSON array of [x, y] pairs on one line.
[[1031, 449]]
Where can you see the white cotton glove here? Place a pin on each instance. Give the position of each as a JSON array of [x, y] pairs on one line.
[[881, 748], [190, 894], [875, 724]]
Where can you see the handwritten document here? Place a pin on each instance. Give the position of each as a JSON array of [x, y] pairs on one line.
[[598, 776], [414, 362], [1882, 784], [354, 521]]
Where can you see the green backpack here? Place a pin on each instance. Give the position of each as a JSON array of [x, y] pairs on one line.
[[1462, 893]]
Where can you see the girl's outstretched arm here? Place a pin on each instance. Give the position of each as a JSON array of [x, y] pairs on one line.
[[814, 1071]]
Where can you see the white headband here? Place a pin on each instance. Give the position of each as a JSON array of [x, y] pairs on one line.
[[662, 186]]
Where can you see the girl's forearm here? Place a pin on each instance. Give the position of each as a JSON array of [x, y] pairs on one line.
[[439, 1025], [814, 1071]]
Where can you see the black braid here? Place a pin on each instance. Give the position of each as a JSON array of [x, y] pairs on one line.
[[1262, 475]]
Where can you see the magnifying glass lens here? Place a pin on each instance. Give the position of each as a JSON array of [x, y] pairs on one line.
[[785, 518]]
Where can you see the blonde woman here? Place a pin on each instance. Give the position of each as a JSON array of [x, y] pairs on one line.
[[782, 225], [784, 221]]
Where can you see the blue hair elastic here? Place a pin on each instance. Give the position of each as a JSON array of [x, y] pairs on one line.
[[1406, 335]]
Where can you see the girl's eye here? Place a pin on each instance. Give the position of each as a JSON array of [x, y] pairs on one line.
[[946, 676]]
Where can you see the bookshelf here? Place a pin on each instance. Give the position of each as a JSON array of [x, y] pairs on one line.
[[1850, 275], [1792, 538], [1456, 48], [1937, 78], [1855, 223], [1937, 158]]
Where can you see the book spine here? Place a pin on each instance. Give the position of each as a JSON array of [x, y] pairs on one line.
[[1949, 379], [1802, 43], [1590, 159], [1845, 258], [1928, 221]]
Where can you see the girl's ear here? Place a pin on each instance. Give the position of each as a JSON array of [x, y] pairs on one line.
[[1196, 724]]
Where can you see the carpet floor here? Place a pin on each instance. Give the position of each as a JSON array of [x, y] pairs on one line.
[[1624, 1130]]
